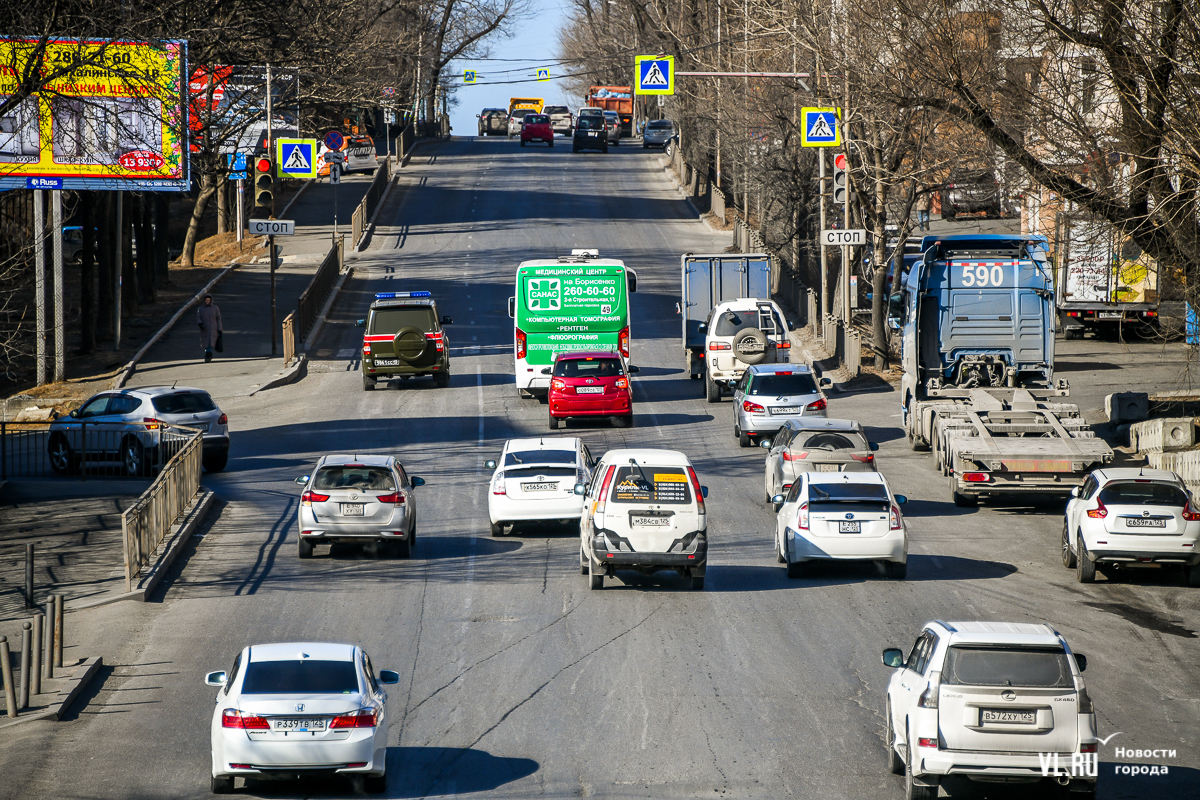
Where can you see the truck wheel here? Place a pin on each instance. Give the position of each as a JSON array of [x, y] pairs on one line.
[[962, 500], [1072, 333], [1085, 568], [712, 392], [1068, 553]]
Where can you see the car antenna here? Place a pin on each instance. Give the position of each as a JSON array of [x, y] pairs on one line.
[[173, 383]]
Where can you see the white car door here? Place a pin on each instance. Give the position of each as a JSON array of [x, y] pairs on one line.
[[910, 681]]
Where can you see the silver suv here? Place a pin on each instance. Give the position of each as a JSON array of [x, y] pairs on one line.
[[561, 119], [768, 395], [127, 427]]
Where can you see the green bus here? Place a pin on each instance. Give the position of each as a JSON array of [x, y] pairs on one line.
[[574, 303]]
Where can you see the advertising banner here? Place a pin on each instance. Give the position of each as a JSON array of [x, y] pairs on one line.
[[108, 115]]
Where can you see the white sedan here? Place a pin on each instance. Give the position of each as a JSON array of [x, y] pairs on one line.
[[1126, 518], [300, 708], [535, 480], [843, 516]]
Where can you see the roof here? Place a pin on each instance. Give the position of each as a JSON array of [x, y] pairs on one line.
[[541, 443], [1129, 474], [647, 455], [154, 391], [744, 303], [393, 302], [846, 477], [824, 424], [759, 369], [1016, 633], [288, 651], [570, 260], [336, 459], [577, 354]]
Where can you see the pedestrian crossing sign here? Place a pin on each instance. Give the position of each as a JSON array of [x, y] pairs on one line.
[[543, 75], [468, 76], [655, 75], [820, 128], [296, 158]]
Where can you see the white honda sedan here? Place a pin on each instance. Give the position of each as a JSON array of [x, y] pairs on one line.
[[535, 480], [300, 709]]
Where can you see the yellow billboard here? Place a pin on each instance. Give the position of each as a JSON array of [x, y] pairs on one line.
[[105, 115]]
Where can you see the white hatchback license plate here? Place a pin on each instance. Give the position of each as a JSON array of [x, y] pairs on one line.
[[652, 522], [539, 487], [849, 527], [1139, 522], [387, 362], [589, 390], [827, 467], [785, 409], [300, 724], [352, 509], [1013, 717]]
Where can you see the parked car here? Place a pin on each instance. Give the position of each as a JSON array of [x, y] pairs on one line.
[[969, 192], [358, 499], [657, 133], [590, 384], [590, 134], [1124, 518], [643, 510], [404, 338], [995, 702], [612, 127], [358, 154], [536, 128], [561, 119], [125, 430], [768, 395], [535, 480], [842, 516], [814, 444], [493, 122], [298, 709]]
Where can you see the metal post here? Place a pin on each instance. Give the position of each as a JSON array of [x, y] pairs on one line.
[[241, 191], [118, 263], [58, 630], [825, 304], [274, 336], [23, 690], [10, 697], [35, 668], [29, 576], [271, 155], [59, 332], [48, 641], [39, 279]]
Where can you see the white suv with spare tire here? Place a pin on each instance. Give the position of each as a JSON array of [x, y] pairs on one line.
[[739, 334]]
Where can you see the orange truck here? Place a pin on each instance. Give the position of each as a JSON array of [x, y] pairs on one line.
[[614, 98]]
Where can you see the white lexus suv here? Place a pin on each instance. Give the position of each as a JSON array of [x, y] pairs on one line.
[[999, 702]]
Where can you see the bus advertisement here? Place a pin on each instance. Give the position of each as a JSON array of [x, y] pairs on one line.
[[567, 305]]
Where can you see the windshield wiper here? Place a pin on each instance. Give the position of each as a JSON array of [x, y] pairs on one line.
[[819, 490], [643, 474]]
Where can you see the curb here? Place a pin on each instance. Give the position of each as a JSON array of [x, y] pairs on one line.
[[290, 375], [702, 217], [369, 231], [67, 695], [320, 323], [128, 370]]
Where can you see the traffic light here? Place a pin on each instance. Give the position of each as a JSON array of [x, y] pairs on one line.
[[264, 195], [839, 179]]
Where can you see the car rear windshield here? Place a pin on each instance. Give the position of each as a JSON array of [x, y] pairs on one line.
[[391, 320], [847, 493], [659, 124], [1007, 666], [589, 123], [781, 384], [537, 119], [1132, 493], [588, 368], [667, 485], [303, 676], [183, 403], [374, 479], [827, 440], [524, 457], [531, 472], [733, 322], [556, 110]]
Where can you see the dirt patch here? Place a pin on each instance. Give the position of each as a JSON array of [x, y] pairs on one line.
[[223, 248]]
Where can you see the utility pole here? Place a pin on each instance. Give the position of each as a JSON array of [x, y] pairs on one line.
[[846, 265], [39, 279], [59, 337], [118, 269], [271, 156], [825, 300]]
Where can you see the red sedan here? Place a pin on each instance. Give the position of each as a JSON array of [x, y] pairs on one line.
[[536, 128], [590, 385]]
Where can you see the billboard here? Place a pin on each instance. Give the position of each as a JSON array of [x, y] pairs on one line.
[[107, 115], [235, 114]]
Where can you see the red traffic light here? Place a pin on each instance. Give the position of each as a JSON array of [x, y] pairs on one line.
[[839, 161], [264, 164]]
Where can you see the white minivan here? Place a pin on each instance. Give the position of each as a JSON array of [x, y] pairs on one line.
[[643, 510]]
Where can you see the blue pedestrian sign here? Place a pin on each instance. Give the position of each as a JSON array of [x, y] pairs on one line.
[[297, 158], [334, 140], [543, 75], [468, 76], [655, 75], [236, 163], [820, 127]]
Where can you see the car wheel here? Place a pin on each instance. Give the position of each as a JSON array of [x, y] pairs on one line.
[[698, 583], [605, 150], [1085, 568], [522, 143], [583, 564], [911, 790], [305, 548], [368, 383], [551, 143], [623, 421], [401, 548], [895, 764], [574, 149], [442, 379], [744, 440], [497, 529], [222, 785], [1191, 576], [795, 569], [375, 784], [133, 457], [896, 570], [216, 463], [1068, 552], [595, 579], [712, 392], [62, 460], [554, 422], [779, 556], [412, 535]]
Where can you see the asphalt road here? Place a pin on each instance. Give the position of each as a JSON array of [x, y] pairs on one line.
[[516, 680]]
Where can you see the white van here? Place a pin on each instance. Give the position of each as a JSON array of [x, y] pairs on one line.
[[643, 510]]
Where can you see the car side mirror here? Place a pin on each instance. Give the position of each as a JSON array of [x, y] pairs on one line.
[[546, 370], [415, 481], [634, 370], [388, 676], [777, 500], [215, 678], [901, 499], [512, 307], [1075, 491], [703, 327], [631, 280], [1080, 661], [447, 320], [360, 323], [489, 464], [704, 492], [825, 383], [580, 489], [893, 323], [765, 444], [873, 446], [302, 480], [893, 657], [791, 325], [74, 413]]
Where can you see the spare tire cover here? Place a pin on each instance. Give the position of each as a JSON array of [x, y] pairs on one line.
[[750, 346], [410, 343]]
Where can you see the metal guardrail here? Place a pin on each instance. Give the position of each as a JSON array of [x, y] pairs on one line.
[[308, 306], [144, 525], [366, 209], [68, 448], [289, 338]]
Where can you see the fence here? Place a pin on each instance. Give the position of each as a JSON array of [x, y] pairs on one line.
[[366, 209], [308, 306], [72, 447], [144, 525], [289, 338]]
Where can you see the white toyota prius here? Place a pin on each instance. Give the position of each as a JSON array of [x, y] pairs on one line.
[[535, 480], [300, 709]]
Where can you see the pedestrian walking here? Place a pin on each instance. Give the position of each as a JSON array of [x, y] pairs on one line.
[[209, 317], [922, 207]]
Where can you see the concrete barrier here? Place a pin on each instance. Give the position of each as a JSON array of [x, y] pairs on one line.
[[1127, 407], [1162, 435], [1186, 465]]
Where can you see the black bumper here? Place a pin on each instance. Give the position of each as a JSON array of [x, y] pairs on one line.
[[696, 559]]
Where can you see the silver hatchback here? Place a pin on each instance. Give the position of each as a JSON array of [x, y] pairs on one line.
[[357, 498], [815, 445], [657, 133], [768, 395]]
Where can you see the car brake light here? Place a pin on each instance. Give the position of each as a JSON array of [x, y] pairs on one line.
[[366, 348], [754, 408], [151, 423], [622, 383], [1088, 748], [696, 489], [929, 697], [895, 518], [498, 485], [232, 718], [867, 459], [521, 342], [1100, 512], [310, 497], [820, 405], [1188, 514], [558, 383], [924, 742], [437, 339], [599, 509], [802, 517], [795, 456], [364, 718], [395, 497], [223, 420], [784, 345], [623, 341], [718, 346], [976, 477]]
